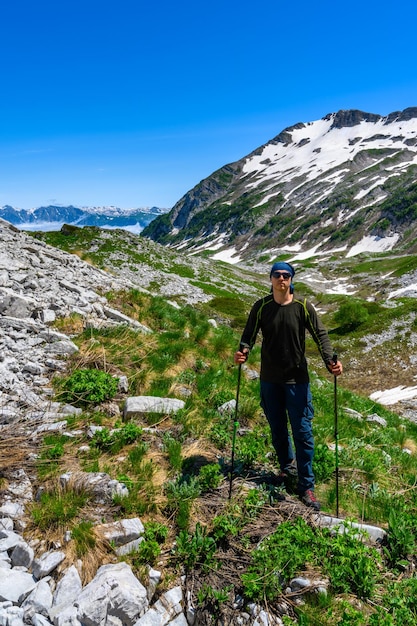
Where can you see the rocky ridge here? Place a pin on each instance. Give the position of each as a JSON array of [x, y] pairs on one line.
[[345, 182], [37, 285]]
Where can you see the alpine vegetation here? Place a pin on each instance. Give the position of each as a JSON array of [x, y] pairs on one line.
[[118, 411]]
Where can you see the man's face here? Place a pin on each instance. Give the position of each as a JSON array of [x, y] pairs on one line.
[[280, 280]]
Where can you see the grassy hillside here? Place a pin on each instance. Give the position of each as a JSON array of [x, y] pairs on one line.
[[243, 536]]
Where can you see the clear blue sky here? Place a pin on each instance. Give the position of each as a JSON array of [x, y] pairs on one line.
[[131, 102]]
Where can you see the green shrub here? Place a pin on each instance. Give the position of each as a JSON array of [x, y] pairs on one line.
[[251, 448], [351, 314], [209, 477], [196, 549], [271, 567], [352, 566], [88, 387]]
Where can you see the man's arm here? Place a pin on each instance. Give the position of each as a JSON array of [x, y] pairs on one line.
[[321, 337]]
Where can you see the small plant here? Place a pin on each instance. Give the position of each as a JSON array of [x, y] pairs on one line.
[[173, 448], [155, 531], [141, 498], [128, 433], [83, 535], [149, 549], [210, 477], [113, 441], [103, 439], [147, 553], [212, 599], [196, 549], [220, 432], [228, 524], [87, 387], [136, 456], [254, 501], [53, 446], [401, 541], [400, 602], [57, 508], [180, 495], [323, 463], [251, 449]]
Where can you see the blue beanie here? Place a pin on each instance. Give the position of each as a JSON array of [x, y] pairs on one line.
[[283, 267]]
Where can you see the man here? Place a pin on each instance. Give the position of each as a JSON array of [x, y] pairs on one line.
[[284, 378]]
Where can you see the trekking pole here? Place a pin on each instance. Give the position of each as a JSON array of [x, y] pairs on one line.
[[235, 425], [336, 438]]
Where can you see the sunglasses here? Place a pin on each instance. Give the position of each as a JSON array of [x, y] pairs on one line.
[[284, 275]]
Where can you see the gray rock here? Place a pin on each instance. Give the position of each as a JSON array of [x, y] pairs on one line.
[[128, 548], [376, 419], [342, 526], [15, 585], [228, 408], [122, 532], [40, 620], [22, 555], [67, 591], [9, 540], [351, 413], [39, 600], [100, 485], [6, 523], [114, 591], [46, 563], [11, 616], [137, 405]]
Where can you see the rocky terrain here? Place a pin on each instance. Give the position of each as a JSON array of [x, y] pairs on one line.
[[38, 285]]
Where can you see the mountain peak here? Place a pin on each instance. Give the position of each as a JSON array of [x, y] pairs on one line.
[[345, 182], [350, 117]]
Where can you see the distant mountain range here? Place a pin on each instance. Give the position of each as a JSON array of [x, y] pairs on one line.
[[52, 217], [346, 182]]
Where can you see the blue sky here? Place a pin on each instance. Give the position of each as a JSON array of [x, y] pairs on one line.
[[132, 103]]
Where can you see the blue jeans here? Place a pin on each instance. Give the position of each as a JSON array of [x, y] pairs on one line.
[[283, 401]]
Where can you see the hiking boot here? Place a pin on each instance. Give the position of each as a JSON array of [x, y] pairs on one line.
[[309, 499]]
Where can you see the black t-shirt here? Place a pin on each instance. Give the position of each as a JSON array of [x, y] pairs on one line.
[[283, 338]]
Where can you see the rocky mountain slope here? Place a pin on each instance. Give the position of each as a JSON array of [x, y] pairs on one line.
[[346, 182], [40, 582]]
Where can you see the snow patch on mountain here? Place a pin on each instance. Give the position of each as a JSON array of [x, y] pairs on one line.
[[313, 150], [373, 244], [392, 396]]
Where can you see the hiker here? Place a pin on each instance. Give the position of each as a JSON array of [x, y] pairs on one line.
[[284, 378]]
